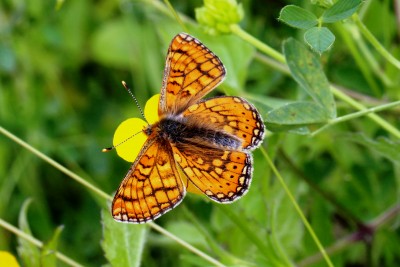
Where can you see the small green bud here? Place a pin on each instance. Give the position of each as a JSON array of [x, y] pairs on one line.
[[218, 15]]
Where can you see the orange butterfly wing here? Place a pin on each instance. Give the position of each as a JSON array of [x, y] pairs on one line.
[[151, 187], [233, 115], [223, 175], [191, 71]]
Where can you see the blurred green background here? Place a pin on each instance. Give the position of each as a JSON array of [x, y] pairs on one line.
[[60, 91]]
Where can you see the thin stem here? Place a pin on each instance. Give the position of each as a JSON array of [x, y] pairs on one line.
[[356, 236], [250, 234], [341, 209], [54, 164], [383, 123], [37, 243], [297, 208], [378, 46], [102, 193], [257, 43], [371, 60], [351, 37], [186, 245], [355, 115], [209, 238], [364, 8], [176, 15], [385, 217], [272, 63]]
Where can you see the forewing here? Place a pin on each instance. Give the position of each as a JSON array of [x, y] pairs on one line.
[[151, 187], [191, 71], [223, 175], [233, 115]]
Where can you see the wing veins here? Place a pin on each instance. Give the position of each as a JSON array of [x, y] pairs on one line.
[[205, 86], [188, 56], [196, 68], [144, 196], [169, 200]]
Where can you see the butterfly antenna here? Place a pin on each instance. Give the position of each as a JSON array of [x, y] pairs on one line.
[[108, 149], [134, 99]]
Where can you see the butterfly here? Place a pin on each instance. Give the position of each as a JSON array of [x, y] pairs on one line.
[[207, 142]]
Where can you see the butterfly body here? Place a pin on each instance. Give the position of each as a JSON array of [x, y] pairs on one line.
[[206, 143], [180, 131]]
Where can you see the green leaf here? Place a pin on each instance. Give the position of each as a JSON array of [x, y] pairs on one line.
[[28, 252], [122, 242], [341, 10], [297, 113], [298, 17], [322, 3], [187, 232], [307, 71], [384, 146], [48, 254], [319, 38], [295, 129]]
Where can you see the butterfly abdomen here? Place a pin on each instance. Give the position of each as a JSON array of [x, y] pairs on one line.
[[178, 131]]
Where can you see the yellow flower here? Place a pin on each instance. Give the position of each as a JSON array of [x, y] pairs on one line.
[[129, 137], [130, 131], [7, 259]]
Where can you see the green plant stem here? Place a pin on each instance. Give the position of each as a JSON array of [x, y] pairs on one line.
[[272, 63], [239, 221], [257, 43], [371, 38], [342, 210], [37, 243], [54, 163], [297, 208], [214, 246], [351, 37], [176, 15], [364, 8], [355, 115], [356, 236], [384, 124], [250, 234], [186, 245], [103, 194]]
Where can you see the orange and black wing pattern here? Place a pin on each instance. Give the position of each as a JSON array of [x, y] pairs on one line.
[[151, 187], [191, 71], [232, 115], [222, 175]]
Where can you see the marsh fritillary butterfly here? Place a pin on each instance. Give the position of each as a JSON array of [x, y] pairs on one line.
[[207, 141]]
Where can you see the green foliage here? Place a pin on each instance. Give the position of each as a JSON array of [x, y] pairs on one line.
[[298, 17], [307, 71], [318, 38], [61, 66], [48, 256], [382, 146], [29, 253], [122, 244], [218, 15], [341, 10]]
